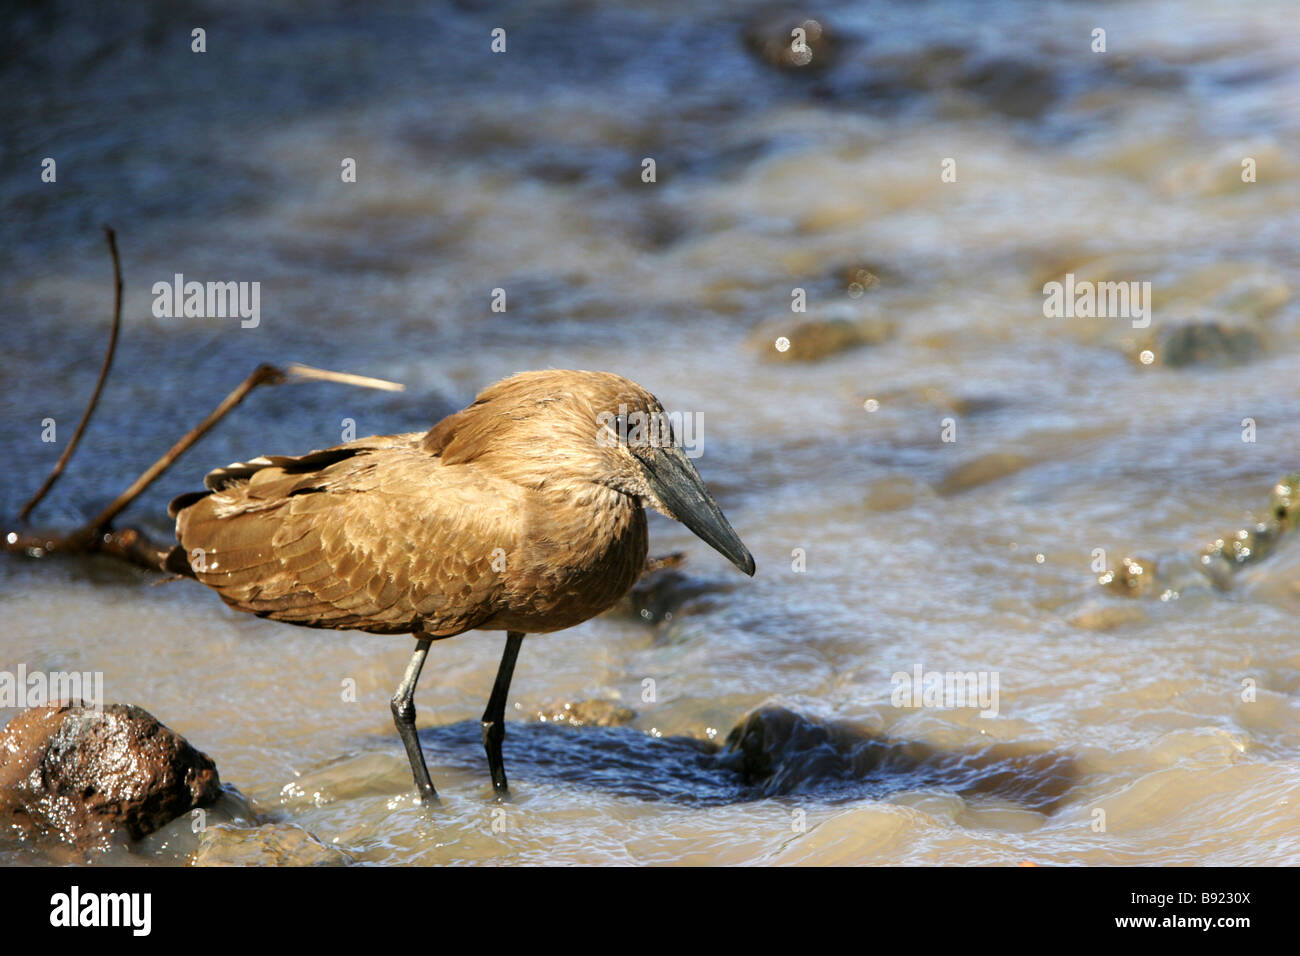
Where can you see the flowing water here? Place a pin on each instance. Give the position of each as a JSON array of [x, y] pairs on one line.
[[1153, 729]]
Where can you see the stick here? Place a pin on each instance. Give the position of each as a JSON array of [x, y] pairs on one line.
[[130, 544], [59, 465], [262, 375]]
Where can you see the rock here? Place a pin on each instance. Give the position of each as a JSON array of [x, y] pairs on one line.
[[1012, 87], [890, 494], [936, 67], [1200, 343], [981, 471], [1245, 546], [274, 844], [1218, 562], [662, 588], [586, 713], [859, 278], [1134, 577], [782, 747], [1284, 505], [816, 339], [937, 397], [777, 752], [770, 36], [1108, 617], [85, 776]]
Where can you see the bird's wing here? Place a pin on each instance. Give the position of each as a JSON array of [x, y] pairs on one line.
[[376, 535]]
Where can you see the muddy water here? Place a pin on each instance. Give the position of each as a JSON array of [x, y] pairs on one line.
[[1121, 733]]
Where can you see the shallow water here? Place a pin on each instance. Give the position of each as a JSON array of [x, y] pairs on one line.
[[522, 171]]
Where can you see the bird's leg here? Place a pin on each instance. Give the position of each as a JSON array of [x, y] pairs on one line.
[[403, 705], [494, 718]]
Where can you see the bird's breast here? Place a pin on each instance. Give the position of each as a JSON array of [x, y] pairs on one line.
[[576, 561]]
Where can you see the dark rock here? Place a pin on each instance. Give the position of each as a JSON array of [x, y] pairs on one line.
[[777, 752], [982, 470], [84, 775], [1012, 87], [1284, 504], [662, 588], [1202, 343], [816, 339]]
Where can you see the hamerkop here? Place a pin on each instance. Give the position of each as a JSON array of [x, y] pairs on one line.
[[522, 513]]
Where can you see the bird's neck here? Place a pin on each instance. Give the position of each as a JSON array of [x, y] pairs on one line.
[[593, 527]]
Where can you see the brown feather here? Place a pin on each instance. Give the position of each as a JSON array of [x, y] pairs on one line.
[[406, 533]]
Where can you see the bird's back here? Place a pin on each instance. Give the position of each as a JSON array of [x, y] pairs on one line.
[[382, 535], [375, 535]]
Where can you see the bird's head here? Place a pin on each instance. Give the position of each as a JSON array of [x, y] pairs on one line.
[[561, 429]]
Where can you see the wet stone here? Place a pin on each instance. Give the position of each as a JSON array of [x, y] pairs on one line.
[[981, 471], [1219, 561], [776, 751], [1108, 617], [586, 713], [1284, 504], [1134, 577], [662, 590], [90, 777], [816, 339], [273, 844], [859, 278], [1202, 343], [1244, 546], [1012, 87]]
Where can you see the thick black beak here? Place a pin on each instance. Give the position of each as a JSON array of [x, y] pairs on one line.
[[678, 486]]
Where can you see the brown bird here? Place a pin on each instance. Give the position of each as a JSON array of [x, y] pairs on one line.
[[522, 513]]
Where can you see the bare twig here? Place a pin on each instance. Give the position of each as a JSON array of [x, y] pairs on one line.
[[130, 544], [305, 373], [262, 375], [59, 465]]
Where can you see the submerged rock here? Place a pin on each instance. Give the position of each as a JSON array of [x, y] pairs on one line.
[[860, 278], [1222, 556], [273, 844], [662, 588], [1012, 87], [586, 713], [1200, 343], [1133, 578], [1284, 504], [86, 776], [816, 339], [777, 751], [982, 470], [1219, 561], [1107, 617]]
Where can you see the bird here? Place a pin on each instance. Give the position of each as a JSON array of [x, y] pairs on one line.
[[524, 512]]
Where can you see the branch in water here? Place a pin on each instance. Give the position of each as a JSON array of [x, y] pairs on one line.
[[59, 465], [130, 544]]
